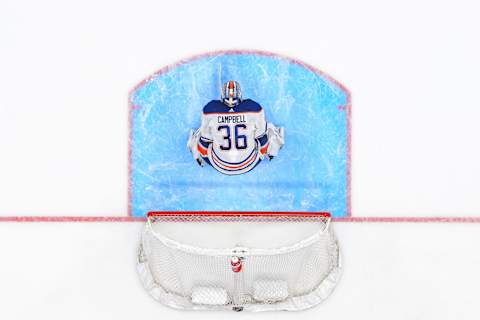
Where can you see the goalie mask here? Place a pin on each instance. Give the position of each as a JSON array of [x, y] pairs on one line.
[[231, 94]]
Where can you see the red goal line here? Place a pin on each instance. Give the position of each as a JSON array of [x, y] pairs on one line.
[[143, 219]]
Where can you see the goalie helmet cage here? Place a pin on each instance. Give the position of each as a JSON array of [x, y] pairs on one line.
[[255, 261]]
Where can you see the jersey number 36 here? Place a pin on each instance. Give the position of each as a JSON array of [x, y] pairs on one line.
[[240, 139]]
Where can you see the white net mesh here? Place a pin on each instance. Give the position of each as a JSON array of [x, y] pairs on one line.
[[255, 262]]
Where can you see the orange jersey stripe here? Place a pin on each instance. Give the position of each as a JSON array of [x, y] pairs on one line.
[[202, 150], [264, 149]]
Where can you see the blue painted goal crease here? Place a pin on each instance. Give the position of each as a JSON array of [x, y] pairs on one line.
[[310, 173]]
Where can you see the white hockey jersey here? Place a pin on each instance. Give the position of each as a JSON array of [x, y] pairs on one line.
[[233, 140]]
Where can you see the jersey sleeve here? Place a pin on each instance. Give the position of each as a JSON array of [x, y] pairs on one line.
[[206, 137], [260, 124], [205, 129], [261, 132]]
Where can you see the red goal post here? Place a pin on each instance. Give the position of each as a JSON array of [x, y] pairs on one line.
[[237, 216]]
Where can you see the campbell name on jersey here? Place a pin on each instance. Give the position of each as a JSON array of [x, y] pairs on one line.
[[232, 135]]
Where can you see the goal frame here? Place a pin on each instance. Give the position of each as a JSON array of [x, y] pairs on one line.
[[241, 253], [240, 213]]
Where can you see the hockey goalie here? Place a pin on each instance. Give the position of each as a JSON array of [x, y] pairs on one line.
[[234, 135]]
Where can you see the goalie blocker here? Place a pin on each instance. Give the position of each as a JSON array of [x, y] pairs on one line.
[[254, 261]]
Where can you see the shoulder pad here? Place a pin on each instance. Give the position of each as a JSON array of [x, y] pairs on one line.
[[248, 105], [215, 106]]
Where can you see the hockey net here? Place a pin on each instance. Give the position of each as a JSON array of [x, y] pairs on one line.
[[239, 260]]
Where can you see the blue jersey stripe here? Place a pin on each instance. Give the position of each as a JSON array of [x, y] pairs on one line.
[[234, 163]]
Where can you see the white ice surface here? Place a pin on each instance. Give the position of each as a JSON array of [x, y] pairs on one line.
[[66, 69], [412, 67], [87, 271]]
